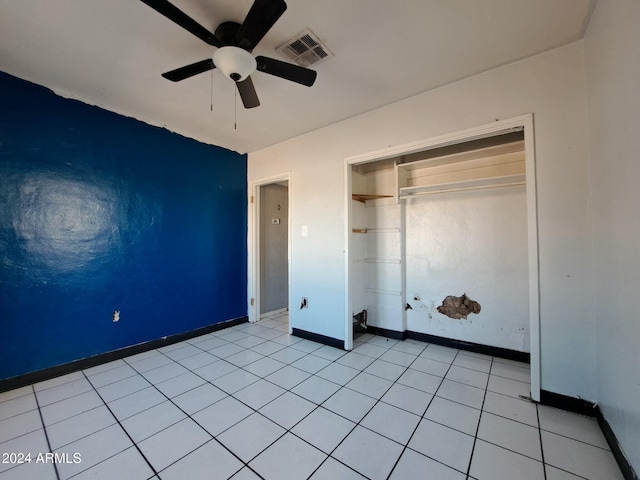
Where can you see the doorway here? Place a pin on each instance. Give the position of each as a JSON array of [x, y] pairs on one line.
[[402, 193], [269, 249]]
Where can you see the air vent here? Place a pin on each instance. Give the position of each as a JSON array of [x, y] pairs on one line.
[[305, 49]]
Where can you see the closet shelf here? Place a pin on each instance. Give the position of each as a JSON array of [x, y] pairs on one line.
[[463, 186], [361, 197]]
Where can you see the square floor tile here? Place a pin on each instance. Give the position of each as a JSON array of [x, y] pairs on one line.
[[234, 381], [149, 362], [56, 381], [473, 363], [579, 458], [421, 381], [258, 394], [226, 350], [387, 370], [186, 351], [414, 465], [467, 376], [454, 415], [201, 397], [16, 393], [441, 354], [355, 360], [509, 434], [244, 357], [249, 437], [180, 384], [399, 358], [30, 471], [361, 450], [128, 406], [68, 408], [306, 346], [381, 341], [332, 469], [75, 428], [173, 443], [110, 376], [61, 392], [250, 341], [522, 374], [407, 398], [288, 355], [323, 429], [512, 408], [222, 415], [301, 464], [287, 377], [215, 370], [198, 360], [211, 460], [413, 347], [448, 446], [370, 350], [430, 366], [288, 409], [20, 424], [370, 385], [30, 443], [122, 388], [93, 449], [129, 464], [491, 462], [311, 363], [336, 373], [506, 386], [268, 347], [264, 366], [350, 404], [329, 353], [152, 420], [391, 422], [572, 425], [164, 372], [458, 392], [554, 473], [315, 389], [211, 343]]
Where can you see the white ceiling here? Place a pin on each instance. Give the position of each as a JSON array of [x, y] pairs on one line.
[[111, 53]]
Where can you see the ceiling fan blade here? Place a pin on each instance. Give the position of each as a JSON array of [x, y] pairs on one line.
[[248, 93], [261, 17], [189, 70], [185, 21], [288, 71]]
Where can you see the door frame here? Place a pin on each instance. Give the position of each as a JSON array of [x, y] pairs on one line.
[[254, 247], [522, 122]]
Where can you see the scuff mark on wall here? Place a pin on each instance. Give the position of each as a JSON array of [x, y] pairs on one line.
[[458, 307]]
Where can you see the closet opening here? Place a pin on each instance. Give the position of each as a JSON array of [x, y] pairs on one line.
[[442, 242]]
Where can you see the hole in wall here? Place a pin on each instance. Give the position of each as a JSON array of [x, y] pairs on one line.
[[458, 307]]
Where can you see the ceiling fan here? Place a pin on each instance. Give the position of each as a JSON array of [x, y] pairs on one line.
[[235, 43]]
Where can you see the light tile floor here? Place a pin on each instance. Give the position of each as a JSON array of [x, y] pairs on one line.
[[253, 402]]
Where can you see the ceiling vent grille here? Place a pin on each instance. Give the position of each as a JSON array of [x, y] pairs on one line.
[[305, 49]]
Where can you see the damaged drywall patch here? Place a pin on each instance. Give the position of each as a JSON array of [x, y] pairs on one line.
[[458, 307]]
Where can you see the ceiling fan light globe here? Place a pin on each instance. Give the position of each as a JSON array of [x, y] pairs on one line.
[[234, 62]]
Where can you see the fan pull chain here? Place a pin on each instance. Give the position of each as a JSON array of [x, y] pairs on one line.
[[235, 110], [211, 90]]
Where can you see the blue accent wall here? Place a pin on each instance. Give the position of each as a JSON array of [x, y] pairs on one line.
[[100, 212]]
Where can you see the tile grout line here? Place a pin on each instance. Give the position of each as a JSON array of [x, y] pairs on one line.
[[475, 437], [213, 438], [135, 444], [422, 417], [544, 464], [44, 428]]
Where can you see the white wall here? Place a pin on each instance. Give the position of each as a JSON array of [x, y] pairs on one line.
[[473, 243], [552, 86], [613, 90]]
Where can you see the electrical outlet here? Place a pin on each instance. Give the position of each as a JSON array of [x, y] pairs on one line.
[[116, 316]]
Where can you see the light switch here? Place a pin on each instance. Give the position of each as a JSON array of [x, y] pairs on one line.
[[305, 231], [275, 221]]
